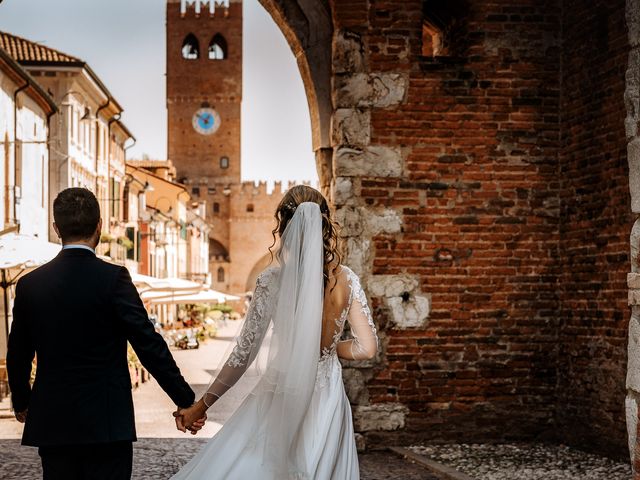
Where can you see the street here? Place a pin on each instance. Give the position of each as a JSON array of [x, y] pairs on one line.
[[161, 449]]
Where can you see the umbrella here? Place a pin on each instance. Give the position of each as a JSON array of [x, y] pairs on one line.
[[205, 296]]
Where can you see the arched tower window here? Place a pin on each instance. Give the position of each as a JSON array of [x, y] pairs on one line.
[[217, 48], [220, 274], [190, 47]]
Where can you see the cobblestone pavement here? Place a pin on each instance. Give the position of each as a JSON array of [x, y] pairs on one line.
[[159, 458], [525, 461], [161, 449]]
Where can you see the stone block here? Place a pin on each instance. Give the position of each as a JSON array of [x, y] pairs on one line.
[[391, 285], [380, 416], [633, 157], [374, 160], [351, 221], [358, 250], [633, 352], [369, 90], [408, 306], [633, 280], [632, 94], [633, 22], [361, 443], [342, 192], [350, 126], [383, 221], [355, 386], [631, 414], [409, 312], [348, 52], [634, 240], [358, 220]]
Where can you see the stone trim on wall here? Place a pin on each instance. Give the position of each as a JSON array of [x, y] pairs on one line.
[[632, 102]]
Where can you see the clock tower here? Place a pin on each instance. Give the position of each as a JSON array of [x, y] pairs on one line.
[[204, 95], [204, 92]]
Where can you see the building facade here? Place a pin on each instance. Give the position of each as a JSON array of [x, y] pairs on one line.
[[87, 137], [24, 151], [204, 97]]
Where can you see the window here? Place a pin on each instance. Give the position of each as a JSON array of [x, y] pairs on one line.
[[220, 274], [130, 233], [190, 47], [216, 207], [250, 208], [195, 191], [114, 197], [443, 27], [211, 190], [217, 48], [224, 162]]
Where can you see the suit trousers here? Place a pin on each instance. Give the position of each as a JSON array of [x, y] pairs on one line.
[[101, 461]]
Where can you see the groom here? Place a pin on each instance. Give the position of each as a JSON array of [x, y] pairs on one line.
[[76, 313]]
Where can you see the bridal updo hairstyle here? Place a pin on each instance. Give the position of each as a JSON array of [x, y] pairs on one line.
[[284, 213]]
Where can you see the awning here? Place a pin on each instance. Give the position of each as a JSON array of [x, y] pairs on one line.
[[20, 252], [145, 283], [18, 255], [205, 296]]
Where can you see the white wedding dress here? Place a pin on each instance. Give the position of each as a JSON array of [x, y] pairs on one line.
[[296, 423]]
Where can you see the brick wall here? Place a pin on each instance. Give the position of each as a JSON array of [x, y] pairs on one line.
[[479, 204], [513, 209], [595, 224]]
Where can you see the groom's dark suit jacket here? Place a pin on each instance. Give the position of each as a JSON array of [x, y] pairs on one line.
[[76, 313]]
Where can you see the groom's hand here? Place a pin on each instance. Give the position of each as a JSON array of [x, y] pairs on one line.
[[21, 416], [185, 420]]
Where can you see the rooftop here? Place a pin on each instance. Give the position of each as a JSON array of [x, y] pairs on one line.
[[27, 51]]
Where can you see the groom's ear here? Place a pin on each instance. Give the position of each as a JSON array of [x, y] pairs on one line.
[[55, 227]]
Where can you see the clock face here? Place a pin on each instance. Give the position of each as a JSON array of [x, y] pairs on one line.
[[206, 121]]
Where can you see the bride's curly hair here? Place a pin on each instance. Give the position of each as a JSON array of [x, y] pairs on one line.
[[284, 213]]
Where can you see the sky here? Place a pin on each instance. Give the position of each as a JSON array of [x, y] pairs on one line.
[[124, 43]]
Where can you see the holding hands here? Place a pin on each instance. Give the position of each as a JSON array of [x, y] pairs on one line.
[[192, 418]]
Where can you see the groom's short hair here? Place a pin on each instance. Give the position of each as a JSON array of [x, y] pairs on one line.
[[76, 212]]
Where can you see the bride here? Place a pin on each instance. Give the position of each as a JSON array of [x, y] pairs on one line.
[[296, 423]]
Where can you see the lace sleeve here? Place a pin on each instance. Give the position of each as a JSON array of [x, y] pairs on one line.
[[364, 344], [248, 343]]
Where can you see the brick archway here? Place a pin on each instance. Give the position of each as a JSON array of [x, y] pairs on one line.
[[307, 27]]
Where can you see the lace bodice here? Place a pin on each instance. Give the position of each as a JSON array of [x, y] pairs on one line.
[[356, 311], [363, 330]]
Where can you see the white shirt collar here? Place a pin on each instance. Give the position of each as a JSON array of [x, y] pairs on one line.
[[71, 245]]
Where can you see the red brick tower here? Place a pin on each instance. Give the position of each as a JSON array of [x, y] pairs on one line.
[[204, 89], [204, 94]]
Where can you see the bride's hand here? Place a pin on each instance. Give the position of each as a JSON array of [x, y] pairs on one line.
[[192, 418]]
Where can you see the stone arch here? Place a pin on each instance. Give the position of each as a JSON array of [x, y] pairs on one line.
[[255, 271], [217, 250], [308, 28]]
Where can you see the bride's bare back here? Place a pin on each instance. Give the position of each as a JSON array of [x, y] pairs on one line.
[[345, 300]]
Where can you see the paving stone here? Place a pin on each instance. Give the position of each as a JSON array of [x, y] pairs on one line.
[[159, 458], [525, 461]]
